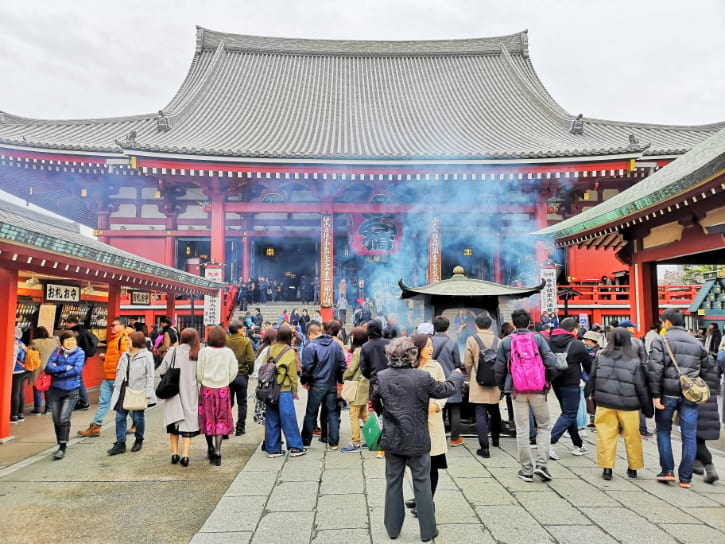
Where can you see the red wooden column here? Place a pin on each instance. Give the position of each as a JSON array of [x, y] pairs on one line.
[[327, 273], [170, 241], [171, 307], [246, 250], [217, 229], [541, 222], [435, 251], [114, 306], [8, 307], [645, 304], [104, 225], [497, 270]]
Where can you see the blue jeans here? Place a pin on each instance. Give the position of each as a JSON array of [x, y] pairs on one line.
[[316, 396], [688, 427], [138, 421], [281, 417], [61, 405], [105, 392], [569, 401]]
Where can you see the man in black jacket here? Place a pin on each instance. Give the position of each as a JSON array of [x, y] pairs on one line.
[[372, 353], [566, 384], [664, 383]]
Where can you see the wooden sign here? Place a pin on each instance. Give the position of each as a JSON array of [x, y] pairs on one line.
[[141, 298], [58, 292]]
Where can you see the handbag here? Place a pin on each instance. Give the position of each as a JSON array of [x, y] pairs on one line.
[[693, 389], [169, 385], [43, 381], [131, 399], [349, 390], [372, 431]]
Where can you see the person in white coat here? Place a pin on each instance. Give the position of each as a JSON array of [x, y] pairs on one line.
[[136, 366], [181, 412]]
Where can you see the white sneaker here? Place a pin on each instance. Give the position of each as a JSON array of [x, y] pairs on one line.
[[552, 453], [581, 450]]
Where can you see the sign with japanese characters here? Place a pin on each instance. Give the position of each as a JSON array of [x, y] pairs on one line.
[[56, 292], [548, 293], [434, 251], [374, 233], [213, 304], [141, 297], [327, 276]]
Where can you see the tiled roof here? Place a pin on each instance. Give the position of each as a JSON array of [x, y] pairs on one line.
[[458, 285], [25, 227], [258, 97], [700, 163]]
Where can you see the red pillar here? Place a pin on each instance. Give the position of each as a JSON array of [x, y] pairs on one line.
[[217, 229], [246, 257], [104, 225], [8, 307], [541, 222], [114, 306], [497, 270], [327, 274], [171, 307], [645, 308], [169, 241]]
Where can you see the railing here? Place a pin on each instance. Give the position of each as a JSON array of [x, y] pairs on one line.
[[621, 294]]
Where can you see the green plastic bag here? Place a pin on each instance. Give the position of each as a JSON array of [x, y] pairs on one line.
[[372, 431]]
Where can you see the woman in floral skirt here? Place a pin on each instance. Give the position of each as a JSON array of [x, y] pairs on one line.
[[215, 370]]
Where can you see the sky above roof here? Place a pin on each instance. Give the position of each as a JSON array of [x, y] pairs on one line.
[[656, 61]]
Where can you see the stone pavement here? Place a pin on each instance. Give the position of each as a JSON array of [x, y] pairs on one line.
[[330, 497]]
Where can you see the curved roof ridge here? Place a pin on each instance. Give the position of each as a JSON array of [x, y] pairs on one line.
[[534, 87], [191, 88], [516, 43], [11, 119], [707, 127]]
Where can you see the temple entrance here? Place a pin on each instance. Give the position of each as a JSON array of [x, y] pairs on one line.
[[285, 264]]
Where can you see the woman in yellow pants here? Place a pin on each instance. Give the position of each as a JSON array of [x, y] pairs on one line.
[[619, 388]]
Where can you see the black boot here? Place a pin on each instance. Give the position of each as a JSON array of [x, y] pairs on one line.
[[607, 473], [137, 445], [118, 447]]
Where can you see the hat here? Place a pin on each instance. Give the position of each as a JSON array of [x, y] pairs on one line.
[[593, 336], [425, 328], [627, 323]]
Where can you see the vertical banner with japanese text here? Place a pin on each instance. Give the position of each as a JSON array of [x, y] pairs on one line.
[[548, 294], [327, 294], [434, 251], [213, 304]]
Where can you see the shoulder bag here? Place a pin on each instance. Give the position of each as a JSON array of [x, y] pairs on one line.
[[131, 399], [169, 385], [693, 389]]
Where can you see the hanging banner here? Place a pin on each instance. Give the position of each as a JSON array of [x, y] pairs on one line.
[[434, 251], [327, 299], [374, 233], [213, 304], [548, 293]]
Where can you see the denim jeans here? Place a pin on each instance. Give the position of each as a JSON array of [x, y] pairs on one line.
[[569, 401], [281, 417], [238, 389], [17, 398], [454, 418], [316, 396], [121, 428], [105, 392], [61, 405], [83, 392], [38, 397], [688, 426]]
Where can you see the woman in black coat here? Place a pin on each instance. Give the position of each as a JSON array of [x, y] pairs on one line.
[[402, 395], [617, 384], [708, 420]]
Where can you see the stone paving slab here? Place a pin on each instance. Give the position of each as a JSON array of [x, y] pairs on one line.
[[330, 497]]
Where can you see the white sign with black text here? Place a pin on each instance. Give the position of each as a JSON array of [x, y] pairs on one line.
[[548, 293], [213, 304]]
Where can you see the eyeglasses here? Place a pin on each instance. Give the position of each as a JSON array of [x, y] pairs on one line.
[[115, 324]]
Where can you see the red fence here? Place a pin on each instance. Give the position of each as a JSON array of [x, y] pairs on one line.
[[622, 294]]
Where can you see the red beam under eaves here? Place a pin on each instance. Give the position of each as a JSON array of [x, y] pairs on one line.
[[286, 207]]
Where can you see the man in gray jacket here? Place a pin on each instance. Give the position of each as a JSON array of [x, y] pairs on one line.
[[664, 382]]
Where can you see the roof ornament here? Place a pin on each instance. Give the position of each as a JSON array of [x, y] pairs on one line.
[[577, 125], [130, 140], [162, 122]]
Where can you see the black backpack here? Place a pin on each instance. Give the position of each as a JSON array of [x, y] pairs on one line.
[[268, 389], [485, 369], [88, 342]]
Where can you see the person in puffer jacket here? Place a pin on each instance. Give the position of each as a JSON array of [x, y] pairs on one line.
[[65, 367], [664, 382], [619, 388], [402, 396]]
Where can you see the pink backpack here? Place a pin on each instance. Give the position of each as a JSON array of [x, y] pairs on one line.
[[527, 368]]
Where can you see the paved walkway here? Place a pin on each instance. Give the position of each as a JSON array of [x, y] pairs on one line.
[[330, 497]]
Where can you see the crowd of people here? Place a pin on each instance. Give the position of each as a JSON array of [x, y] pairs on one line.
[[414, 383]]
